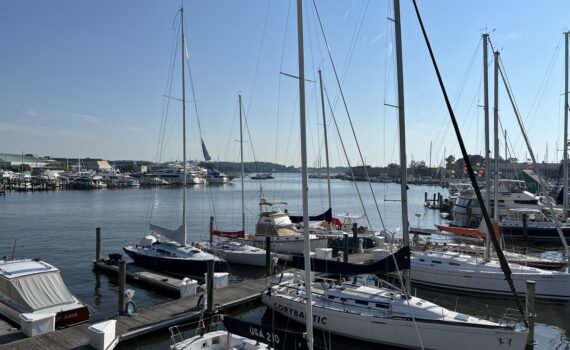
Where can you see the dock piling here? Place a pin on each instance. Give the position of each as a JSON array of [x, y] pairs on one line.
[[98, 244], [267, 255], [122, 282], [211, 229], [530, 287], [210, 287], [345, 246], [355, 238]]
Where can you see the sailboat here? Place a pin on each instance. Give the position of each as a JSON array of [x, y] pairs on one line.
[[382, 313], [459, 271], [233, 249], [163, 249]]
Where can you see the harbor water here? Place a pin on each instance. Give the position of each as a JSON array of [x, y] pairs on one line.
[[59, 227]]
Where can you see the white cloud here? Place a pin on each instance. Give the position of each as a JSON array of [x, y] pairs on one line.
[[39, 131], [32, 112], [85, 118]]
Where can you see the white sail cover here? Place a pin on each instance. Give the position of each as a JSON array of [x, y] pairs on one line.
[[37, 291], [177, 235]]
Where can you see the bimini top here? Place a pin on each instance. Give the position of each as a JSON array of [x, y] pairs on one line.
[[33, 285]]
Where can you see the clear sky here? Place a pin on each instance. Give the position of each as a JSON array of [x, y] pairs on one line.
[[88, 78]]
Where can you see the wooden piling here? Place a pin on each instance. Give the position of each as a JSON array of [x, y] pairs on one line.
[[211, 229], [210, 286], [122, 282], [354, 238], [530, 287], [98, 244], [267, 255], [345, 246]]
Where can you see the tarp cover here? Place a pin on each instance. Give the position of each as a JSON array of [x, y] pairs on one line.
[[277, 338], [228, 234], [326, 216], [37, 291], [400, 259]]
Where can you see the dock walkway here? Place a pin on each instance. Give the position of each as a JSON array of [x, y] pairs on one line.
[[157, 317]]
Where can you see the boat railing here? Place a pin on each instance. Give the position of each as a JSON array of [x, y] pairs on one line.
[[511, 318], [204, 325]]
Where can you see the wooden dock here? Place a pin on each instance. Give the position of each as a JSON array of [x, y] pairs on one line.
[[155, 318]]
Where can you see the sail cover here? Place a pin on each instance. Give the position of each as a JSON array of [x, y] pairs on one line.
[[400, 260], [276, 338], [228, 234], [177, 235], [326, 216], [205, 151]]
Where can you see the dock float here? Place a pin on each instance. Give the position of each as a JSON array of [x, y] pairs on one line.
[[154, 318]]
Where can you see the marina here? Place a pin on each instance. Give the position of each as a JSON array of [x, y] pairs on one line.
[[84, 210], [286, 260]]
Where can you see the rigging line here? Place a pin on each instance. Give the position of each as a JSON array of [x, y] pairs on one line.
[[350, 166], [503, 262], [280, 80], [537, 169], [346, 109], [257, 64]]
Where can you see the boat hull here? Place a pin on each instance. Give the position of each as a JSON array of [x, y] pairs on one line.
[[400, 331], [288, 245], [176, 267], [531, 233]]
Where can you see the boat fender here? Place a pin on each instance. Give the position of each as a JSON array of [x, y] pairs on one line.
[[131, 308]]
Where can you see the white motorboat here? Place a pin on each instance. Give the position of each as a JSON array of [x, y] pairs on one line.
[[386, 316], [35, 288], [284, 235]]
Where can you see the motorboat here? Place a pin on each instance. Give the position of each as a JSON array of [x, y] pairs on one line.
[[34, 288]]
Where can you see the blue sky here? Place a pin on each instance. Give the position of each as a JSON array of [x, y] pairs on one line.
[[84, 78]]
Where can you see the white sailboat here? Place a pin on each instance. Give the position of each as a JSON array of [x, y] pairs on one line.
[[163, 249], [382, 314], [234, 249]]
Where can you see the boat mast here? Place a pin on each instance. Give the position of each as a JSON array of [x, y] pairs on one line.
[[242, 167], [402, 126], [183, 126], [305, 189], [565, 147], [326, 145], [487, 151], [496, 142]]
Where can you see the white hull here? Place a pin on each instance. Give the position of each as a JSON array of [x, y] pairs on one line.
[[288, 245], [218, 340], [401, 332], [236, 253], [460, 272]]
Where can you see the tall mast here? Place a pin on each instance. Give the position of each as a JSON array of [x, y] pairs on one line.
[[242, 167], [326, 144], [402, 126], [183, 125], [305, 184], [496, 142], [487, 165], [565, 147]]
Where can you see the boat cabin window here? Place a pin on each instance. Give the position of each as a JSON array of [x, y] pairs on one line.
[[361, 302], [436, 261], [422, 259], [454, 264], [382, 305], [162, 251]]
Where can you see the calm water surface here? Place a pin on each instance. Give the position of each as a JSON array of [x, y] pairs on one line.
[[60, 227]]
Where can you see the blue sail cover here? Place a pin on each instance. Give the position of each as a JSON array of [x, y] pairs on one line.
[[205, 151], [213, 172], [400, 260], [279, 339]]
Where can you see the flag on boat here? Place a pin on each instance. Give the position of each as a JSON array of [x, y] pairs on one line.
[[205, 151]]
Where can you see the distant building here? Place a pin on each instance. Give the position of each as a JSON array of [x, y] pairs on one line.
[[84, 163], [15, 161]]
